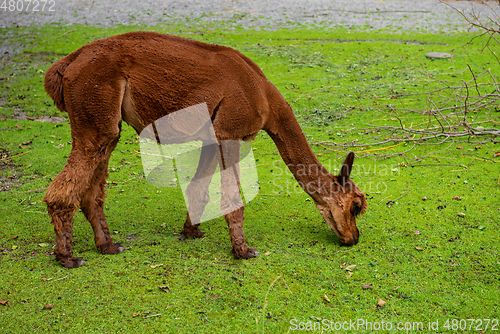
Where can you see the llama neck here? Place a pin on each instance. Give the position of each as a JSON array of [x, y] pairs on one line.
[[298, 155]]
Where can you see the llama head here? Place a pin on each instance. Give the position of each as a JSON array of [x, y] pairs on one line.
[[343, 204]]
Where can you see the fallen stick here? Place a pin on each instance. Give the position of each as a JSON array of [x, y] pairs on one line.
[[17, 155]]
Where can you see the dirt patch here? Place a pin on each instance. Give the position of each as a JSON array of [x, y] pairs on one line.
[[7, 181], [42, 55], [22, 115], [27, 65]]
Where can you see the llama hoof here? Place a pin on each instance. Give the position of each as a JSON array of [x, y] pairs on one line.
[[112, 249], [192, 233], [245, 254], [73, 262]]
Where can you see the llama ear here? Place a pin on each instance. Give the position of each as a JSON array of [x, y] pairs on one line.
[[346, 169]]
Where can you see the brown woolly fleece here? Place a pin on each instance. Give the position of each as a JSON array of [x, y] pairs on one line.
[[140, 77]]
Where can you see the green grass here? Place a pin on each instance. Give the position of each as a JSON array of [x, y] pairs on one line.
[[336, 81]]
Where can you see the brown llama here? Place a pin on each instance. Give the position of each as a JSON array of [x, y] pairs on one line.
[[140, 77]]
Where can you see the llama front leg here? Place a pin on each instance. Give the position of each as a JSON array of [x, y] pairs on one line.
[[191, 230], [197, 190], [231, 202], [235, 223]]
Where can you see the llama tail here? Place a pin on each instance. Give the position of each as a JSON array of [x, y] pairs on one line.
[[54, 79]]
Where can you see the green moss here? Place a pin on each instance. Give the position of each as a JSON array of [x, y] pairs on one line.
[[323, 74]]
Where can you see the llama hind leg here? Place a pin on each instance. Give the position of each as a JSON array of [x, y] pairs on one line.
[[63, 198], [197, 190], [93, 105], [231, 203], [62, 220], [93, 207]]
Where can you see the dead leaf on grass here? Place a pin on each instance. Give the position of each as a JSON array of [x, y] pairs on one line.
[[457, 198], [4, 302], [14, 237], [417, 232], [47, 307], [497, 154], [267, 253], [366, 286], [461, 214], [350, 267], [325, 297], [419, 248], [135, 315], [381, 303], [164, 288]]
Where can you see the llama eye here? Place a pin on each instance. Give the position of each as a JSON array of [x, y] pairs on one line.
[[356, 209]]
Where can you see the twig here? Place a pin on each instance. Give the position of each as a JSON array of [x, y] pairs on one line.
[[30, 191], [384, 199], [286, 285], [486, 159], [50, 279], [128, 156], [343, 251], [24, 192], [406, 193], [394, 311], [67, 32], [478, 25], [17, 155], [152, 315], [452, 165], [265, 299]]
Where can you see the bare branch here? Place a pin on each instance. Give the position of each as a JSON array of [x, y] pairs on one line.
[[449, 109]]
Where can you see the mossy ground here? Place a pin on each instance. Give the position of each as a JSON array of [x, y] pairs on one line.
[[426, 262]]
